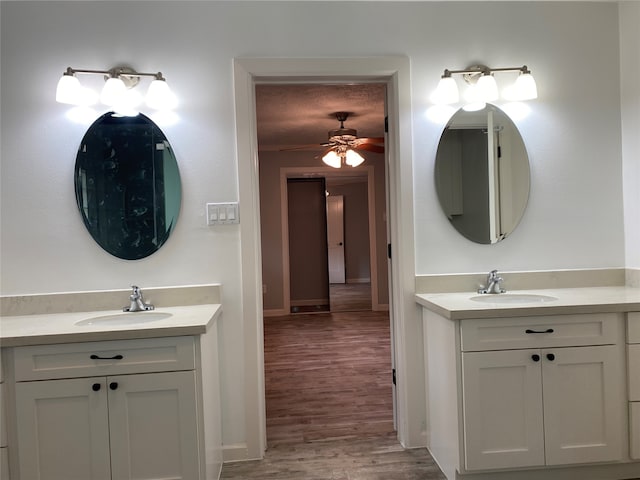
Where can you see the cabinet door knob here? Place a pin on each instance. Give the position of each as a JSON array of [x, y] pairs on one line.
[[551, 357], [113, 385], [535, 357], [95, 387]]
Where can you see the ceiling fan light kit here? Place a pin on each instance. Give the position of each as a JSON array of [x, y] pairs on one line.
[[343, 143]]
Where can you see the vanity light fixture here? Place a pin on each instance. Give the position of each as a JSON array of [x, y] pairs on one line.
[[483, 87], [117, 92]]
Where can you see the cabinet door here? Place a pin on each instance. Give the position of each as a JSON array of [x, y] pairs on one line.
[[153, 426], [584, 404], [64, 433], [502, 397]]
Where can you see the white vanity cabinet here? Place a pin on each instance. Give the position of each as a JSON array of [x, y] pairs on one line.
[[633, 353], [542, 406], [112, 410], [515, 394], [4, 451]]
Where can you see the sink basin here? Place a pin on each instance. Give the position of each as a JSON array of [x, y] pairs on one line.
[[513, 298], [125, 318]]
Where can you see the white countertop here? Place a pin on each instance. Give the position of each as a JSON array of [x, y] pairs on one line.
[[61, 327], [458, 305]]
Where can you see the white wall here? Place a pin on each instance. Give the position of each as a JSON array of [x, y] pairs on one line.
[[575, 214], [630, 101]]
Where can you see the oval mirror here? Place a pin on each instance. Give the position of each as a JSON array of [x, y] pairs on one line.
[[127, 185], [482, 174]]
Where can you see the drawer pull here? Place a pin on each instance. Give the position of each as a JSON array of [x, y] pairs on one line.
[[551, 357], [115, 357], [535, 357], [113, 385], [95, 387], [548, 330]]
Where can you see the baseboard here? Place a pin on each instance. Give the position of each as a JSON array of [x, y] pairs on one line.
[[310, 303], [632, 277], [275, 312], [236, 452], [358, 280]]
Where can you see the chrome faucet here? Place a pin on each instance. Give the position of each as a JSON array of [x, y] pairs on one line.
[[493, 283], [137, 302]]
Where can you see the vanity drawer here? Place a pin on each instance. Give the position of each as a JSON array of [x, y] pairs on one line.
[[115, 357], [633, 327], [540, 332], [633, 357]]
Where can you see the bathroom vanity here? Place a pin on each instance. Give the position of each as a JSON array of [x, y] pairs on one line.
[[105, 394], [533, 385]]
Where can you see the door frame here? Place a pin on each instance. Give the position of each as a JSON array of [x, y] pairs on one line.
[[406, 328], [305, 172]]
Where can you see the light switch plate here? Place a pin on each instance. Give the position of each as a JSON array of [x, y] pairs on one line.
[[223, 213]]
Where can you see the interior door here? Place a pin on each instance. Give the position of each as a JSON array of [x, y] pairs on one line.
[[335, 238], [308, 257]]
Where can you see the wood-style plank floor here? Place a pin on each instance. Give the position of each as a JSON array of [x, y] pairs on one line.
[[329, 403], [327, 376]]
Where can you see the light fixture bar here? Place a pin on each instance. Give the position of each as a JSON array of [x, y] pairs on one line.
[[117, 92], [483, 87], [485, 70], [114, 72]]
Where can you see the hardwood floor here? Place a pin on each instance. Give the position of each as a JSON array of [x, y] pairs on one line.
[[329, 403], [327, 376], [350, 297], [376, 458]]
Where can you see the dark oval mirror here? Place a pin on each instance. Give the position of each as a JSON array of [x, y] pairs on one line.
[[127, 185], [482, 174]]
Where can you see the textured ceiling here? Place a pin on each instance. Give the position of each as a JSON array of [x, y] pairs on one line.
[[290, 115]]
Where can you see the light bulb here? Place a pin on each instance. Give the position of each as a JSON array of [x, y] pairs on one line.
[[69, 90], [474, 106], [160, 96], [127, 104], [487, 88], [353, 158], [525, 87], [446, 92], [332, 159], [113, 89]]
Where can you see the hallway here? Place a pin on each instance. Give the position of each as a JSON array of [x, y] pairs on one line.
[[329, 403]]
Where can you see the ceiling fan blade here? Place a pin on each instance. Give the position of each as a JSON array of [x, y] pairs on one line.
[[324, 152], [310, 146], [371, 140], [370, 147]]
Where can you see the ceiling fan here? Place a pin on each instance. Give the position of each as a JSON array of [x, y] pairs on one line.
[[343, 145]]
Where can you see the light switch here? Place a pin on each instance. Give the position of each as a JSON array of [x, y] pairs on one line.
[[222, 213]]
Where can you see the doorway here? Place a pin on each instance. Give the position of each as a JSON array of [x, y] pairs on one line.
[[406, 348], [327, 213]]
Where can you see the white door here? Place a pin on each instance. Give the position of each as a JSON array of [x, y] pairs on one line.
[[502, 401], [64, 432], [153, 426], [583, 404], [335, 238]]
